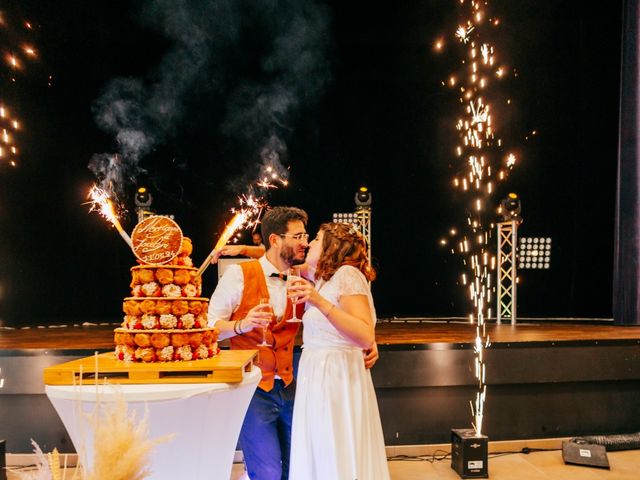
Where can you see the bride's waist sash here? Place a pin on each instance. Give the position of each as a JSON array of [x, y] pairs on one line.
[[319, 347]]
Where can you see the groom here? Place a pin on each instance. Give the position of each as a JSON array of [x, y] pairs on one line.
[[235, 310]]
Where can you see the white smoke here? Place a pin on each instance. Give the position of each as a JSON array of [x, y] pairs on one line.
[[259, 109]]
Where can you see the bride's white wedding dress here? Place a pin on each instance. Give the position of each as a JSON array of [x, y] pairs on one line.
[[336, 433]]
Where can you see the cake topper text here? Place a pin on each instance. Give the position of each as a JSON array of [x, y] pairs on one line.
[[156, 240]]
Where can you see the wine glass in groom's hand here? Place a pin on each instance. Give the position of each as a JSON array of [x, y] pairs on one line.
[[266, 306]]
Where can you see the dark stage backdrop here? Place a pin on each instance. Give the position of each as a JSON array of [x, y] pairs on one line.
[[626, 296], [383, 121]]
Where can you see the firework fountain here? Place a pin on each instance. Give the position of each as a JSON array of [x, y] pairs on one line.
[[482, 160]]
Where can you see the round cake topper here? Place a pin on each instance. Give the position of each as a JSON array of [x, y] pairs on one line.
[[156, 240]]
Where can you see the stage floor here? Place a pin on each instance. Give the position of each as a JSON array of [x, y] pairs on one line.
[[427, 331], [536, 465]]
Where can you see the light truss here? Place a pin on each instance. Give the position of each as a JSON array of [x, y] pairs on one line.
[[361, 220], [507, 285]]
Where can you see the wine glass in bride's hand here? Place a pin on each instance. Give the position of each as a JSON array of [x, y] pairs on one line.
[[266, 308], [293, 278]]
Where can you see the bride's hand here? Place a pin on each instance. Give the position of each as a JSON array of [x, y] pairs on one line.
[[301, 291]]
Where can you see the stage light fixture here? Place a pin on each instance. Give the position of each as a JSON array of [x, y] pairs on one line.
[[143, 198], [510, 208], [534, 253], [143, 201], [363, 197]]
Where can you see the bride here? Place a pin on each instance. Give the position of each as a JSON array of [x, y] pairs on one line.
[[336, 430]]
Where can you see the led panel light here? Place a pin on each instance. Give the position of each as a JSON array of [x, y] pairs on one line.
[[534, 253], [351, 218]]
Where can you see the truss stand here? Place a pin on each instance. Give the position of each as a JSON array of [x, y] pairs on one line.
[[364, 224], [363, 200], [507, 288], [361, 218]]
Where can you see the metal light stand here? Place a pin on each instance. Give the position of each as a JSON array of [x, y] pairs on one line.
[[142, 214], [364, 225], [361, 220], [507, 290]]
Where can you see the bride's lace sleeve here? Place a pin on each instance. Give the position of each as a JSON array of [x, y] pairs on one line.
[[351, 281]]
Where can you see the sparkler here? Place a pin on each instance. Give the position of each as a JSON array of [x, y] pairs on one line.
[[481, 158], [247, 216], [235, 223], [100, 202]]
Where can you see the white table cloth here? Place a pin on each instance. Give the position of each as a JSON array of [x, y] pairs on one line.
[[205, 417]]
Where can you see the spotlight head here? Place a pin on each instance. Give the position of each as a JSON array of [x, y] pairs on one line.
[[363, 197], [143, 198], [510, 208]]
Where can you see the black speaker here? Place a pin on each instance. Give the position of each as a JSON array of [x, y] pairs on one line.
[[469, 453]]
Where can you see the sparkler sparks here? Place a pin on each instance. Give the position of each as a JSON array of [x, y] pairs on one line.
[[481, 157], [246, 216], [101, 203], [463, 32], [272, 175], [8, 127], [18, 53], [270, 178]]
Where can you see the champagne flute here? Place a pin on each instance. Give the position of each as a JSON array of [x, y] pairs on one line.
[[267, 307], [293, 276]]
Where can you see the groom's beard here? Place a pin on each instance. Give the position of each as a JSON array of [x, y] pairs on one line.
[[291, 256]]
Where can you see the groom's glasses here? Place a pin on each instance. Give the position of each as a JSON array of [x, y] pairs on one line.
[[298, 236]]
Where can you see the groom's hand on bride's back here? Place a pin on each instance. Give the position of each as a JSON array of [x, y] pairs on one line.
[[371, 356]]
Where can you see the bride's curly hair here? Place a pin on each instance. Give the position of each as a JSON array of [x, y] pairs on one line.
[[342, 244]]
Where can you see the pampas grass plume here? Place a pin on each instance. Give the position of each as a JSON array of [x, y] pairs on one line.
[[121, 444], [42, 469]]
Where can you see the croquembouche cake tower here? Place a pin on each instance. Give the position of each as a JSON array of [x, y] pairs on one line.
[[165, 318]]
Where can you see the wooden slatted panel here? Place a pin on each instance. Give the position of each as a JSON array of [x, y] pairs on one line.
[[227, 367]]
